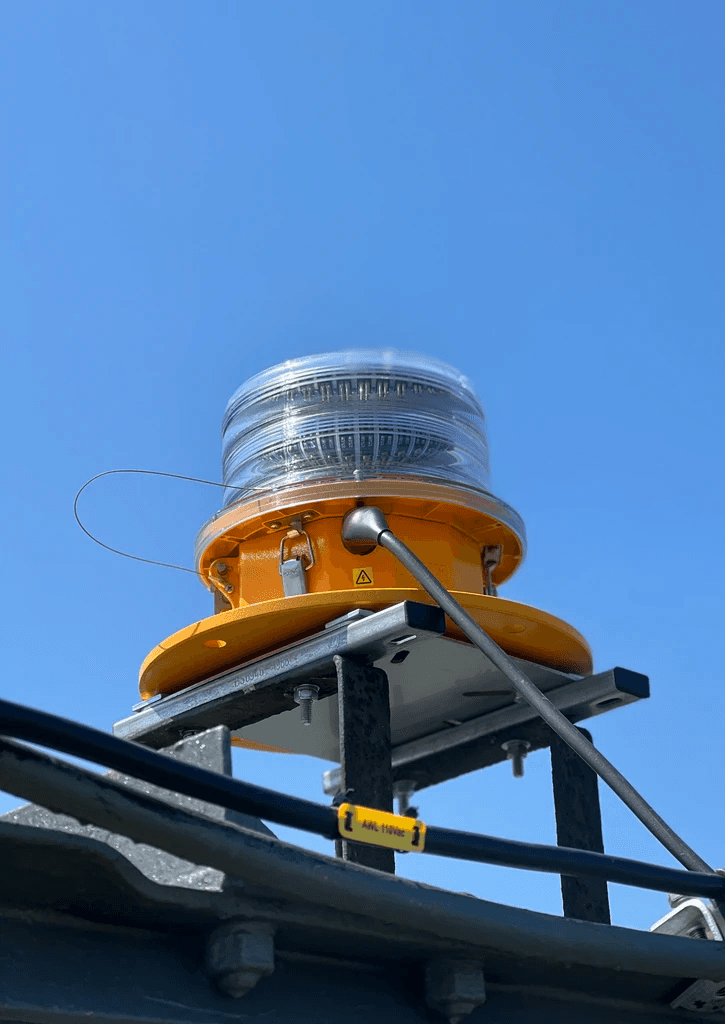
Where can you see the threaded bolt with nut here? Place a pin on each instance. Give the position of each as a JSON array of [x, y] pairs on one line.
[[516, 751], [306, 695]]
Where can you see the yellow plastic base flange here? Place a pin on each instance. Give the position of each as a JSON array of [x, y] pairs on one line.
[[232, 638]]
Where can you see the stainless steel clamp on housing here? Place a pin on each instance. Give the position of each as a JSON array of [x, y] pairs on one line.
[[292, 570]]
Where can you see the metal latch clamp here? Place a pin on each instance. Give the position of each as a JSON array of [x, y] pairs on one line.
[[292, 570]]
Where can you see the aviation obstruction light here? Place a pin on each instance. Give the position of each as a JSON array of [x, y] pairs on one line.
[[306, 441], [350, 416]]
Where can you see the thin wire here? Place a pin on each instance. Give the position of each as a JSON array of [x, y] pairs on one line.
[[144, 472]]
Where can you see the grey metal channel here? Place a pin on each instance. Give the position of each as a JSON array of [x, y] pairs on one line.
[[451, 709], [477, 743], [443, 694], [261, 689]]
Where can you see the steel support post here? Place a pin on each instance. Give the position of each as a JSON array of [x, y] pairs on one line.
[[578, 825], [366, 773]]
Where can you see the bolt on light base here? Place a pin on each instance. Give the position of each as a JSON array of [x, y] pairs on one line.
[[516, 751], [306, 695]]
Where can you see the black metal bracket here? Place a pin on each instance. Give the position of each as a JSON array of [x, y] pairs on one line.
[[366, 774], [578, 825]]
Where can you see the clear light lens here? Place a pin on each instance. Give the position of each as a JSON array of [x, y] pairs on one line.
[[356, 415]]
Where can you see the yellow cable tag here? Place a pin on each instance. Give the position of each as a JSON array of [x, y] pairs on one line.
[[380, 828]]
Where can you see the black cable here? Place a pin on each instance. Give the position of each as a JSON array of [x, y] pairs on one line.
[[563, 860], [533, 695], [301, 875], [140, 762]]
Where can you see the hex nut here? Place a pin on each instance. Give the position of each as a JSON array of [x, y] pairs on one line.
[[239, 954], [454, 987]]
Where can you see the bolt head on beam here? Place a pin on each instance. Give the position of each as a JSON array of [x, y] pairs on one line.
[[239, 954], [454, 987]]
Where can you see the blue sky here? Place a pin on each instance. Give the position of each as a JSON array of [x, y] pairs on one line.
[[533, 192]]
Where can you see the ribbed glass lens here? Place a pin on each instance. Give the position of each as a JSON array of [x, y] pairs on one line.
[[358, 414]]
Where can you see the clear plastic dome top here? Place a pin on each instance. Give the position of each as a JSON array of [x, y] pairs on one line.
[[353, 415]]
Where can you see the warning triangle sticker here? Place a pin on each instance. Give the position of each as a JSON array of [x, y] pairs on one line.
[[363, 576]]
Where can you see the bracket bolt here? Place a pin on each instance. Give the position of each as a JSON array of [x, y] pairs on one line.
[[516, 751], [239, 954], [222, 568], [491, 559], [454, 987], [403, 790], [674, 899], [306, 695]]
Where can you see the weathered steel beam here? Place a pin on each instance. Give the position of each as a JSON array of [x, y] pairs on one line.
[[578, 825], [366, 772]]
